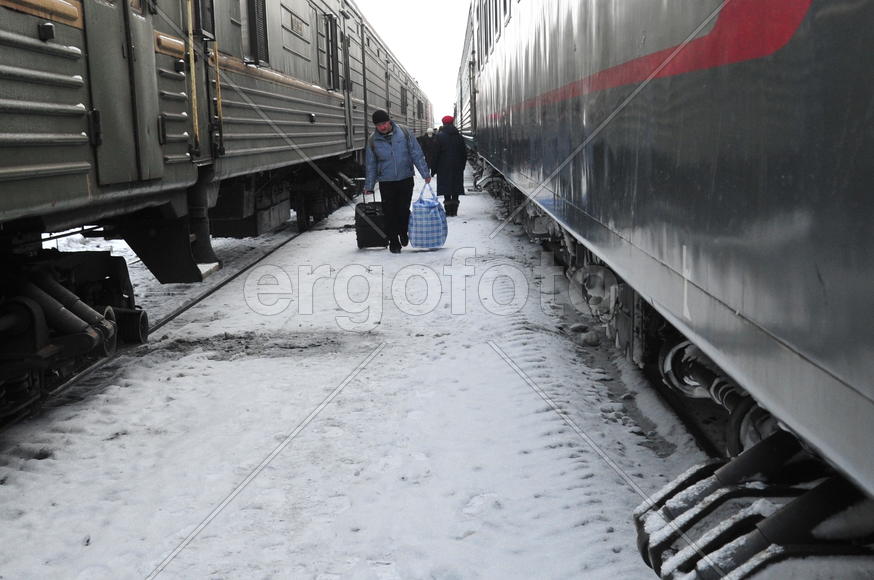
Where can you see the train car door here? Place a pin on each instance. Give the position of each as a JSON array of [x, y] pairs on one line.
[[124, 94], [144, 74], [112, 103]]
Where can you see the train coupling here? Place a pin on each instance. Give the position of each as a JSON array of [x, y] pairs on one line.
[[757, 515]]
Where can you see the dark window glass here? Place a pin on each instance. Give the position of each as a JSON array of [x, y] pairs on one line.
[[258, 30], [203, 13]]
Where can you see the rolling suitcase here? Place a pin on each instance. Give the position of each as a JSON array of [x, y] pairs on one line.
[[370, 224]]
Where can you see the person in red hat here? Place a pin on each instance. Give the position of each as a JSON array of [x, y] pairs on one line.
[[450, 157]]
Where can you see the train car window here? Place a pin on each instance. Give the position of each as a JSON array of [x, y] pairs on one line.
[[387, 88], [487, 26], [295, 24], [297, 41], [234, 12], [480, 34], [420, 109], [204, 16], [496, 21], [245, 42], [257, 21], [138, 5], [477, 42], [403, 100], [484, 29], [491, 31]]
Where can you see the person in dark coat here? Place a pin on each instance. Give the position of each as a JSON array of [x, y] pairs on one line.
[[450, 157], [428, 141]]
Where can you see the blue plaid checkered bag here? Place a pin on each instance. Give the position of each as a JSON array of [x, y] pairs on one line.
[[428, 227]]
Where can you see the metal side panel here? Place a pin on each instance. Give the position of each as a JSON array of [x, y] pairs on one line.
[[273, 123], [832, 416], [732, 194], [111, 90], [45, 158]]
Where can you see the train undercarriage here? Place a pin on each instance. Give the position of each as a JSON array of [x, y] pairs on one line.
[[765, 505], [58, 311], [62, 311]]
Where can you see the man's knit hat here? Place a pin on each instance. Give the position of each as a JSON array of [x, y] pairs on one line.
[[380, 116]]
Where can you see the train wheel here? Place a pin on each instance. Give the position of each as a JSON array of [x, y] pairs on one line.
[[671, 360]]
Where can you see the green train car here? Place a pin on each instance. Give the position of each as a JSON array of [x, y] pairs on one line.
[[163, 122]]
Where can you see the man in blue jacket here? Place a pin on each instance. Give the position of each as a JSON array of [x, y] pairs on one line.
[[390, 155]]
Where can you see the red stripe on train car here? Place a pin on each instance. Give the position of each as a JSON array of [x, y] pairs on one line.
[[745, 30]]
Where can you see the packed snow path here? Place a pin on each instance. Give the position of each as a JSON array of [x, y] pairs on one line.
[[351, 431]]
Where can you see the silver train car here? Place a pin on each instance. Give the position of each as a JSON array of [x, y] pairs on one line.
[[164, 122], [703, 168]]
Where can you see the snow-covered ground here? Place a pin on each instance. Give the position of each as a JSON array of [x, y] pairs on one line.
[[340, 413]]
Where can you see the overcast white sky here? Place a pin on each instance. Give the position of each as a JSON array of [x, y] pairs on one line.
[[427, 37]]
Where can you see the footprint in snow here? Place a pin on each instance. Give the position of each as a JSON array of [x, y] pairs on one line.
[[337, 504], [333, 432], [479, 504]]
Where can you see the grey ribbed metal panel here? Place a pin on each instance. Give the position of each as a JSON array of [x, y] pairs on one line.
[[45, 157], [271, 123]]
